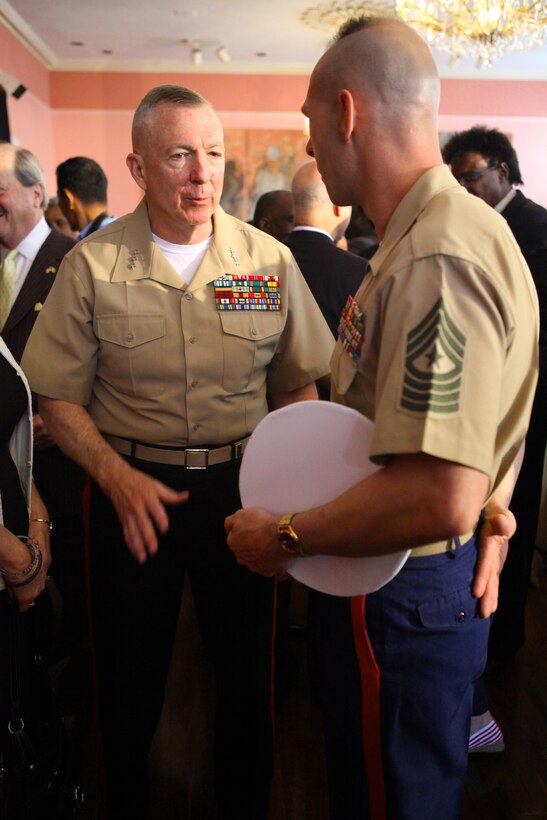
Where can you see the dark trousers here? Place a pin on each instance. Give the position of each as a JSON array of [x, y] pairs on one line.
[[135, 610], [429, 647]]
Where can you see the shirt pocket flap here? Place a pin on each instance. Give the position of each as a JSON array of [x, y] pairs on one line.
[[344, 370], [247, 325], [451, 610], [130, 331]]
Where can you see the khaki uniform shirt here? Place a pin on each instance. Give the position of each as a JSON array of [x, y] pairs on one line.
[[153, 359], [440, 349]]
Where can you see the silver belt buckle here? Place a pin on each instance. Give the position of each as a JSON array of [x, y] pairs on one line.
[[202, 454]]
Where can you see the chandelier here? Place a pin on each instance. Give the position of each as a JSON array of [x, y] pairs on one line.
[[330, 16], [482, 30]]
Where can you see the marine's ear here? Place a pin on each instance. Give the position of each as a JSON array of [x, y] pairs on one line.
[[136, 166], [346, 114]]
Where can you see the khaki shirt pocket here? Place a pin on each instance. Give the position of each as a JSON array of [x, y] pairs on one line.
[[249, 341], [131, 353]]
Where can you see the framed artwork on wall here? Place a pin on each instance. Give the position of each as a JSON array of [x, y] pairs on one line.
[[258, 161]]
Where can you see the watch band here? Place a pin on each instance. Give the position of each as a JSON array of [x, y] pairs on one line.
[[288, 538]]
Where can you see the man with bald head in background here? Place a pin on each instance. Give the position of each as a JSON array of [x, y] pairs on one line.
[[332, 273], [439, 349], [168, 334]]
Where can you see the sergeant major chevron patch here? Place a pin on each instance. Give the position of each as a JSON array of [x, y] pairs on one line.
[[434, 363]]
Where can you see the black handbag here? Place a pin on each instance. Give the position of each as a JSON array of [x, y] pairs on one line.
[[37, 766]]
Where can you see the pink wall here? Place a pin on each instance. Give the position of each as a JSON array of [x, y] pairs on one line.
[[69, 113], [228, 92], [17, 61], [105, 136]]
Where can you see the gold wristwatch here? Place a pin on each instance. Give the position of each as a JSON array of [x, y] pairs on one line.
[[288, 539]]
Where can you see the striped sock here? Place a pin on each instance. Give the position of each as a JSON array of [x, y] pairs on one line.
[[487, 739]]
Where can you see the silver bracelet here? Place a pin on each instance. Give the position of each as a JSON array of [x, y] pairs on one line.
[[29, 574]]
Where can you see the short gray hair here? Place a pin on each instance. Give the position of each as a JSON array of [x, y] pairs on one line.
[[166, 94], [29, 172]]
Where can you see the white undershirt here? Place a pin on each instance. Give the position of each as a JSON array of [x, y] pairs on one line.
[[185, 259]]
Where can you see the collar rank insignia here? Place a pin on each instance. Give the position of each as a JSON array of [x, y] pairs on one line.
[[241, 292], [134, 257], [351, 329], [233, 254]]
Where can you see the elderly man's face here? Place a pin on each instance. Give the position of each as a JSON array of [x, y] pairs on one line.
[[19, 206], [180, 166]]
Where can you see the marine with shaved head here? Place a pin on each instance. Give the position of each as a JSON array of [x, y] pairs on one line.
[[438, 349], [169, 332]]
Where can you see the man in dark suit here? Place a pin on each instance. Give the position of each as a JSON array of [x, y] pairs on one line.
[[332, 273], [24, 287], [82, 195], [485, 162]]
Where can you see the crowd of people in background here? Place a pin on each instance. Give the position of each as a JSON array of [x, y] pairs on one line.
[[150, 366]]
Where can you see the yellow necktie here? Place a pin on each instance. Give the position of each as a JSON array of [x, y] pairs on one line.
[[7, 284]]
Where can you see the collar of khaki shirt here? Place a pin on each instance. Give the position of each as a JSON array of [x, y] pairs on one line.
[[432, 182], [140, 257]]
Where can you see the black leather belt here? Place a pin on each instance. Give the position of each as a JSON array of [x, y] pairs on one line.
[[191, 458]]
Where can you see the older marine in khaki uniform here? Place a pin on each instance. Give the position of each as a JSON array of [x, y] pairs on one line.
[[167, 337]]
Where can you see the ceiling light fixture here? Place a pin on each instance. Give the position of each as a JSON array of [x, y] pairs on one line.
[[483, 30], [330, 16], [222, 54], [199, 46]]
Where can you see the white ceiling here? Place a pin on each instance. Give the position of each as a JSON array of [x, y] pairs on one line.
[[147, 35]]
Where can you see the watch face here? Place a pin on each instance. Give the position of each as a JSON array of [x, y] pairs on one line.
[[288, 538]]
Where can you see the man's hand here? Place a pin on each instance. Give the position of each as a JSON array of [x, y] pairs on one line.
[[138, 499], [498, 527], [252, 537], [140, 504]]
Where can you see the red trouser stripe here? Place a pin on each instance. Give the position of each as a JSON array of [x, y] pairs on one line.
[[370, 710], [272, 667]]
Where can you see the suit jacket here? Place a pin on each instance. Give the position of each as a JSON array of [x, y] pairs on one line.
[[528, 221], [59, 481], [35, 289], [332, 274]]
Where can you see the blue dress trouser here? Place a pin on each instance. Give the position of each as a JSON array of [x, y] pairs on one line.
[[429, 645]]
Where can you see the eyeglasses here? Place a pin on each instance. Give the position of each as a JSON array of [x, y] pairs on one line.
[[474, 176]]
